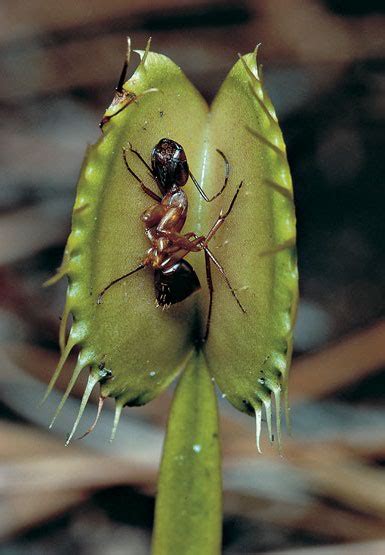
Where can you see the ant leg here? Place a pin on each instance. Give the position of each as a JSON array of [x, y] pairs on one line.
[[222, 217], [150, 170], [227, 173], [99, 411], [222, 271], [183, 241], [117, 280], [209, 256], [145, 189], [183, 250], [211, 293], [141, 159]]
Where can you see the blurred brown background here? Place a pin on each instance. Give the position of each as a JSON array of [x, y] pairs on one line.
[[324, 68]]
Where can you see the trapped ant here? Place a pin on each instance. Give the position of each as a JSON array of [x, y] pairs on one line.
[[174, 278]]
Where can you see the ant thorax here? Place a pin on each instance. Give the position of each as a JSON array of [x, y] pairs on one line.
[[176, 197]]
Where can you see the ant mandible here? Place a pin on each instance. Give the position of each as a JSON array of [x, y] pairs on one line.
[[174, 278]]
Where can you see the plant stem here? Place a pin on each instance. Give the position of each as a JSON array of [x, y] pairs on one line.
[[188, 514]]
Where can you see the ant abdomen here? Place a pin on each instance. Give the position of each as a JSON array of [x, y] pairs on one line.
[[176, 284]]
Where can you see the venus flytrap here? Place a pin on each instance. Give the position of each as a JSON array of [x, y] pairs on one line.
[[133, 349]]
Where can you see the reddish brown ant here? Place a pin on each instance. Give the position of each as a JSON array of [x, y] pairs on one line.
[[174, 278]]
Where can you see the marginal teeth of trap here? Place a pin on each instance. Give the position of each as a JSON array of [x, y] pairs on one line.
[[258, 426], [61, 272], [264, 401], [68, 348], [92, 381], [277, 398], [287, 410], [267, 404], [99, 411], [79, 367], [118, 412], [63, 327]]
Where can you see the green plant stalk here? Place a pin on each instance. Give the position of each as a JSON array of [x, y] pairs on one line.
[[188, 515]]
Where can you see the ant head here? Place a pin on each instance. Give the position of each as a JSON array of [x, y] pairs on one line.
[[169, 164]]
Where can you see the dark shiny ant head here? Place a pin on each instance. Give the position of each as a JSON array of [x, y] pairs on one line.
[[169, 164]]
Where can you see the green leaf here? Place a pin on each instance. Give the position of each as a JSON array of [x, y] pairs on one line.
[[249, 354], [189, 504], [134, 348]]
